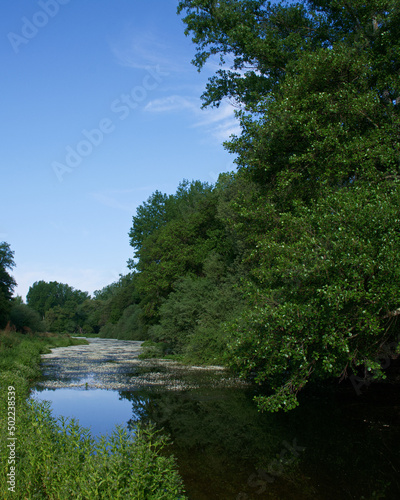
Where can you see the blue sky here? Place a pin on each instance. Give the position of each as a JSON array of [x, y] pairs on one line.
[[100, 107]]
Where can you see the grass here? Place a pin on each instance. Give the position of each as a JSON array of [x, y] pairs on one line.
[[58, 459]]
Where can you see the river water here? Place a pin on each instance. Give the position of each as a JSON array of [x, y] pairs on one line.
[[336, 445]]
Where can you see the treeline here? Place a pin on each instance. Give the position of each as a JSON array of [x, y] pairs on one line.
[[287, 270]]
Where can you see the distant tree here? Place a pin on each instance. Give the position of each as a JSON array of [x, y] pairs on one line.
[[63, 318], [43, 296], [7, 282], [116, 297], [91, 315]]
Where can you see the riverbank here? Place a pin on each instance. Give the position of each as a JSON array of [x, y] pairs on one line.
[[53, 458]]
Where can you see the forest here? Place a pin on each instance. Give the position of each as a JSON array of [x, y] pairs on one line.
[[285, 270]]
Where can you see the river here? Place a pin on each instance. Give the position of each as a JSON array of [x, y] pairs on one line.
[[336, 445]]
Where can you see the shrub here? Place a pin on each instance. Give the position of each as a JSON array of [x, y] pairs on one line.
[[26, 319], [60, 460]]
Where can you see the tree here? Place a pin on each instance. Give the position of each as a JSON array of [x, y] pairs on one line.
[[117, 297], [324, 294], [193, 314], [259, 39], [43, 296], [7, 282], [318, 85], [179, 246], [150, 216]]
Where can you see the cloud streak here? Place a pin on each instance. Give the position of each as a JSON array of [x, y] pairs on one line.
[[143, 50], [220, 122]]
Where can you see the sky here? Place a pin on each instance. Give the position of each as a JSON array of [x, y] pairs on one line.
[[100, 107]]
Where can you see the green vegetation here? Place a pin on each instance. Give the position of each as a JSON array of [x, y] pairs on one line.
[[20, 355], [58, 459]]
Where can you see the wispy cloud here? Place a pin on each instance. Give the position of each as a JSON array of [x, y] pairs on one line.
[[219, 122], [143, 50], [172, 103], [226, 129]]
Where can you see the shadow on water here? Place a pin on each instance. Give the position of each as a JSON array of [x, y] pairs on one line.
[[334, 446]]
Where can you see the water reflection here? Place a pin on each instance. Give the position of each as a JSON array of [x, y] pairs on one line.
[[97, 409]]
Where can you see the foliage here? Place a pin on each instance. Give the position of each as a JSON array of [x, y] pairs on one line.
[[153, 350], [65, 309], [20, 358], [259, 38], [178, 247], [62, 319], [150, 216], [91, 316], [7, 282], [324, 293], [128, 327], [193, 315], [58, 459], [264, 41]]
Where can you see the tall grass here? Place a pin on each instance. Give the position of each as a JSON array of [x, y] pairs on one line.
[[58, 459]]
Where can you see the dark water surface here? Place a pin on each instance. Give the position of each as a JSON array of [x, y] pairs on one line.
[[336, 445]]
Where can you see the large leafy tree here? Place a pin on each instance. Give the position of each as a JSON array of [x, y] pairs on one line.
[[318, 85], [7, 282], [324, 293]]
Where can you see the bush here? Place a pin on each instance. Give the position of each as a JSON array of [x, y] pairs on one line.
[[58, 459], [128, 327], [192, 318], [26, 319]]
